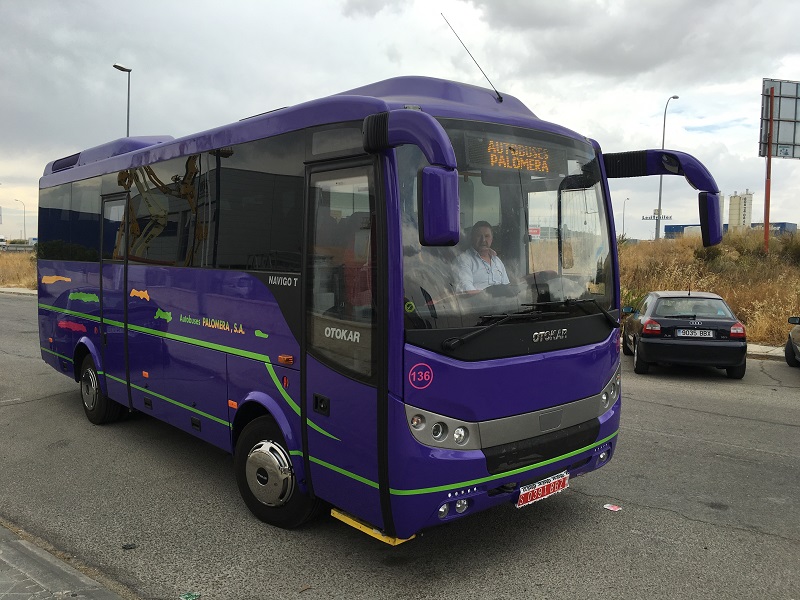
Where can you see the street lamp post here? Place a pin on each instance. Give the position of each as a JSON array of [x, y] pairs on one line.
[[119, 67], [661, 177], [24, 228]]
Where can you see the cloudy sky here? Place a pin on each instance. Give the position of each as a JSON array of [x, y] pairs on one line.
[[604, 68]]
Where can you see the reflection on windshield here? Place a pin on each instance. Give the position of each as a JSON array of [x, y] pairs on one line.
[[534, 228]]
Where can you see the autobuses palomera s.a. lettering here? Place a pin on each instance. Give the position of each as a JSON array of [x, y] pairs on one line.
[[353, 372]]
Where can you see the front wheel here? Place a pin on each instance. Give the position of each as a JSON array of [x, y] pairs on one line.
[[266, 478], [98, 407]]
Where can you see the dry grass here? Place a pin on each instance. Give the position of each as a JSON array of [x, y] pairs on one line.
[[762, 289], [18, 269]]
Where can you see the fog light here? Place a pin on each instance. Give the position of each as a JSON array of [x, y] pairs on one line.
[[461, 505], [439, 431], [418, 421], [460, 436], [443, 510]]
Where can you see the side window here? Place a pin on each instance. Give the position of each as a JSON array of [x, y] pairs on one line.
[[54, 213], [260, 220], [163, 206], [85, 219], [342, 269]]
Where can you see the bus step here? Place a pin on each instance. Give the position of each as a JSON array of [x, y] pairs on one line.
[[366, 528]]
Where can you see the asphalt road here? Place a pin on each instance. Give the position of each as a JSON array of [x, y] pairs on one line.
[[707, 473]]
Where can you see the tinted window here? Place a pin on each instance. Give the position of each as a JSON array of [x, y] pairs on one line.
[[85, 218], [692, 307], [54, 204], [261, 204], [342, 265], [163, 202]]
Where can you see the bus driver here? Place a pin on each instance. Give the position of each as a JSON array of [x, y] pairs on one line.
[[479, 266]]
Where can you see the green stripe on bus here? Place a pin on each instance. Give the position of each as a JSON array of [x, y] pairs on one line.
[[293, 404], [170, 336], [56, 354], [70, 312], [211, 346], [171, 401], [344, 472], [462, 484]]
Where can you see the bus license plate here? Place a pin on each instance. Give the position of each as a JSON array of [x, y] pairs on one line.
[[540, 490], [703, 333]]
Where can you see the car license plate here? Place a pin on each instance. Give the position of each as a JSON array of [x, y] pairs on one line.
[[703, 333], [528, 494]]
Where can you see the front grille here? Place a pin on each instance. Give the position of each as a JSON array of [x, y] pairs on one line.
[[543, 447]]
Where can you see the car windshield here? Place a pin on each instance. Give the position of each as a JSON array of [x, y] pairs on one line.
[[534, 229], [692, 307]]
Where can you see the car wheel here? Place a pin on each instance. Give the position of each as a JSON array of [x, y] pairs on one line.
[[736, 372], [788, 352], [266, 478], [625, 350], [639, 366], [98, 407]]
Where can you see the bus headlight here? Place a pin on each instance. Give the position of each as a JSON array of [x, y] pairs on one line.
[[460, 437], [461, 505], [443, 510], [439, 431]]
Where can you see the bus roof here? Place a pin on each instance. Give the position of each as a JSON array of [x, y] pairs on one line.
[[438, 97]]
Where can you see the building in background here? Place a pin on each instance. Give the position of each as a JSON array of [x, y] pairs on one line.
[[740, 210], [676, 231]]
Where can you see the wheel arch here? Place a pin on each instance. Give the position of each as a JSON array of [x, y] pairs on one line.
[[259, 404], [85, 347]]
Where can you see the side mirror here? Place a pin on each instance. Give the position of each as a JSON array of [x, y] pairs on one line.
[[710, 218], [794, 320], [438, 207]]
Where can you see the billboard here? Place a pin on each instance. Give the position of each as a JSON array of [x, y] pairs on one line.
[[786, 119]]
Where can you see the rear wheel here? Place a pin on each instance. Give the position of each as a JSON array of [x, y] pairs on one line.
[[788, 352], [266, 478], [639, 366], [98, 407], [736, 372]]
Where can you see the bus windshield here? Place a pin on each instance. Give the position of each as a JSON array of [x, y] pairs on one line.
[[534, 230]]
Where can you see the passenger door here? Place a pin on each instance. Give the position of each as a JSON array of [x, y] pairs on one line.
[[340, 362], [113, 251]]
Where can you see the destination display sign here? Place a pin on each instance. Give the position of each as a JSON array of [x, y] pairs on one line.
[[500, 152]]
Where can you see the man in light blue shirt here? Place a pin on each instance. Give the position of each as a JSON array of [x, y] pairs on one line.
[[479, 267]]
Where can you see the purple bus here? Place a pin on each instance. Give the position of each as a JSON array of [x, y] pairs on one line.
[[400, 302]]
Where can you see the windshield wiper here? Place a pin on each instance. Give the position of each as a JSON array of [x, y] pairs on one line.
[[579, 302], [533, 315]]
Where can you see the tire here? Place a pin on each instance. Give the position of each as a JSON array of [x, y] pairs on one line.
[[98, 407], [625, 350], [266, 479], [788, 352], [736, 372], [639, 366]]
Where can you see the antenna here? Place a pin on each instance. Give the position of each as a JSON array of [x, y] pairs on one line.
[[499, 97]]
